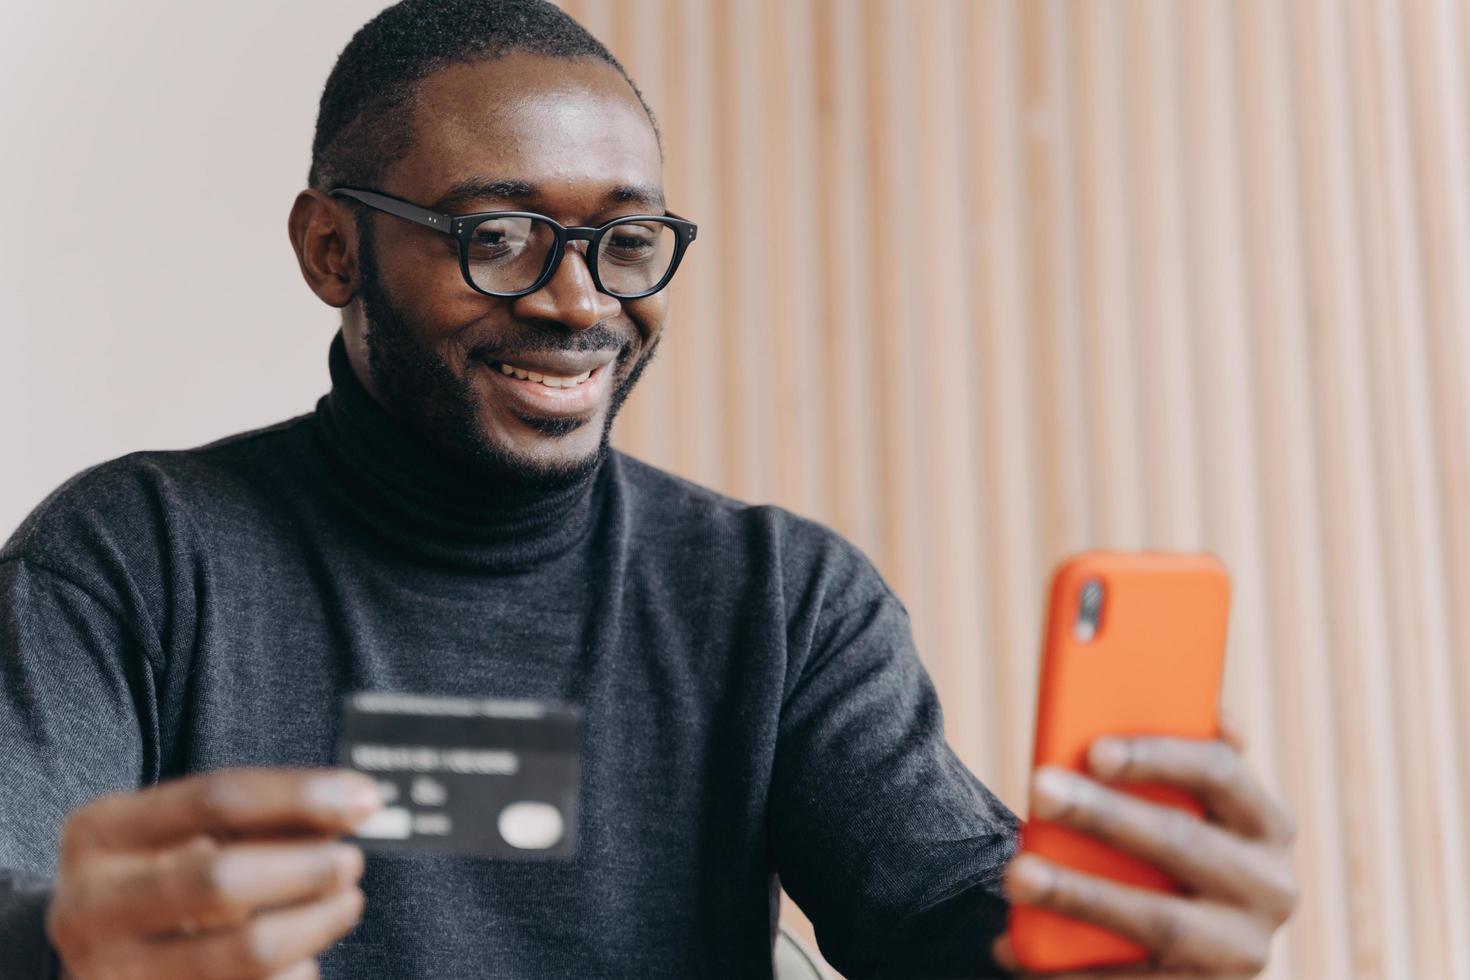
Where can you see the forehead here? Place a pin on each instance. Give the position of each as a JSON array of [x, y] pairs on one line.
[[563, 125]]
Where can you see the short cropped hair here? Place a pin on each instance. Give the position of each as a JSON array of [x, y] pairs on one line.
[[364, 124]]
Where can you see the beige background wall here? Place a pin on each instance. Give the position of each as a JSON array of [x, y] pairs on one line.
[[979, 283]]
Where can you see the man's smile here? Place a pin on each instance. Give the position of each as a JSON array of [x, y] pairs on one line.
[[549, 380], [576, 392]]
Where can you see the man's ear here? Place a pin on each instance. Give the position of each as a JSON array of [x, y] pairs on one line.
[[325, 239]]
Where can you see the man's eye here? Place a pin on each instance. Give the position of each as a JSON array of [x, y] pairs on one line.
[[501, 236], [630, 243]]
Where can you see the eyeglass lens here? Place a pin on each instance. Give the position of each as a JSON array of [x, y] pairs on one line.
[[508, 254]]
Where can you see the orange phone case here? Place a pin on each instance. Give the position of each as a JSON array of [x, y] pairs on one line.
[[1153, 667]]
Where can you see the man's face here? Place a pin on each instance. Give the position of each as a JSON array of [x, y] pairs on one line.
[[563, 138]]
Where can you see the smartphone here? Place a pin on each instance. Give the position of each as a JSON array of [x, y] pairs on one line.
[[1134, 645]]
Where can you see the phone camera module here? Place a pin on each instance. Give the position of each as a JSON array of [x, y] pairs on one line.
[[1089, 611]]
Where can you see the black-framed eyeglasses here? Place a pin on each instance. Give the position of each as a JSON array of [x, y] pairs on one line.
[[512, 253]]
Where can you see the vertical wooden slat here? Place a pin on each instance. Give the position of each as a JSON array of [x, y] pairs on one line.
[[944, 339], [1396, 312], [691, 343], [1002, 369], [1279, 217], [736, 459], [1169, 491], [846, 316], [786, 369], [793, 375], [1107, 348], [691, 143], [1061, 451], [1438, 795], [750, 421], [1373, 859], [1439, 106], [888, 50], [793, 178]]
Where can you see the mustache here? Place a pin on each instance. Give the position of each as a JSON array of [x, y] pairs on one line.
[[598, 337]]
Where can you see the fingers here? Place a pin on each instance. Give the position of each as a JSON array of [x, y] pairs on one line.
[[211, 885], [227, 803], [269, 943], [150, 884], [1182, 934], [1211, 770], [1204, 858], [1237, 867]]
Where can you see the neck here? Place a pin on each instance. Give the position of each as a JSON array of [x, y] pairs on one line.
[[415, 493]]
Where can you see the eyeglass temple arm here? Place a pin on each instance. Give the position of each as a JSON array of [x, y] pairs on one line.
[[692, 227], [392, 205]]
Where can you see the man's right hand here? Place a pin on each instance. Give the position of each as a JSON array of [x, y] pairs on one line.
[[232, 873]]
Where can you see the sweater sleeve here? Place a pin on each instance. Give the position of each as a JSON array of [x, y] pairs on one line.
[[73, 688], [886, 841]]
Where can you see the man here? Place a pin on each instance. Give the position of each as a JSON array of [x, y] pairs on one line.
[[451, 520]]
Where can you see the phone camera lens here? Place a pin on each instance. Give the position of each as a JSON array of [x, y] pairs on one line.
[[1089, 611]]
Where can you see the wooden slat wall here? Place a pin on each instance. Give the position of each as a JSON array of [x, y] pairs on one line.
[[983, 282]]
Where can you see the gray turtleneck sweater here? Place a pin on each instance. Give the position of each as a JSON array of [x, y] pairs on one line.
[[753, 704]]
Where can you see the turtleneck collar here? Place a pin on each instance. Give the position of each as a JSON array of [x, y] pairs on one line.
[[410, 492]]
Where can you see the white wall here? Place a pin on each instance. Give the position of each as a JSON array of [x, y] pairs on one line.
[[149, 297]]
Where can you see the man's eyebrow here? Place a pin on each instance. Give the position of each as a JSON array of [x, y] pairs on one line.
[[479, 188], [647, 195]]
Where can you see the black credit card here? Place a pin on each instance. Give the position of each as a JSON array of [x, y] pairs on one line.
[[470, 776]]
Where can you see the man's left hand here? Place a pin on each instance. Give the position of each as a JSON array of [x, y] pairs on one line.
[[1235, 866]]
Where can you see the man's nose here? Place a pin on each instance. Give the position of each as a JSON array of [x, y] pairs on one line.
[[569, 296]]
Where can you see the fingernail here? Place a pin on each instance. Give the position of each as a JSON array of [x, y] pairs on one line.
[[349, 792], [1026, 879], [348, 858], [1051, 789], [352, 901], [1107, 757]]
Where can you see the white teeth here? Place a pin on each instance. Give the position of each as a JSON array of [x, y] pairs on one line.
[[549, 380]]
